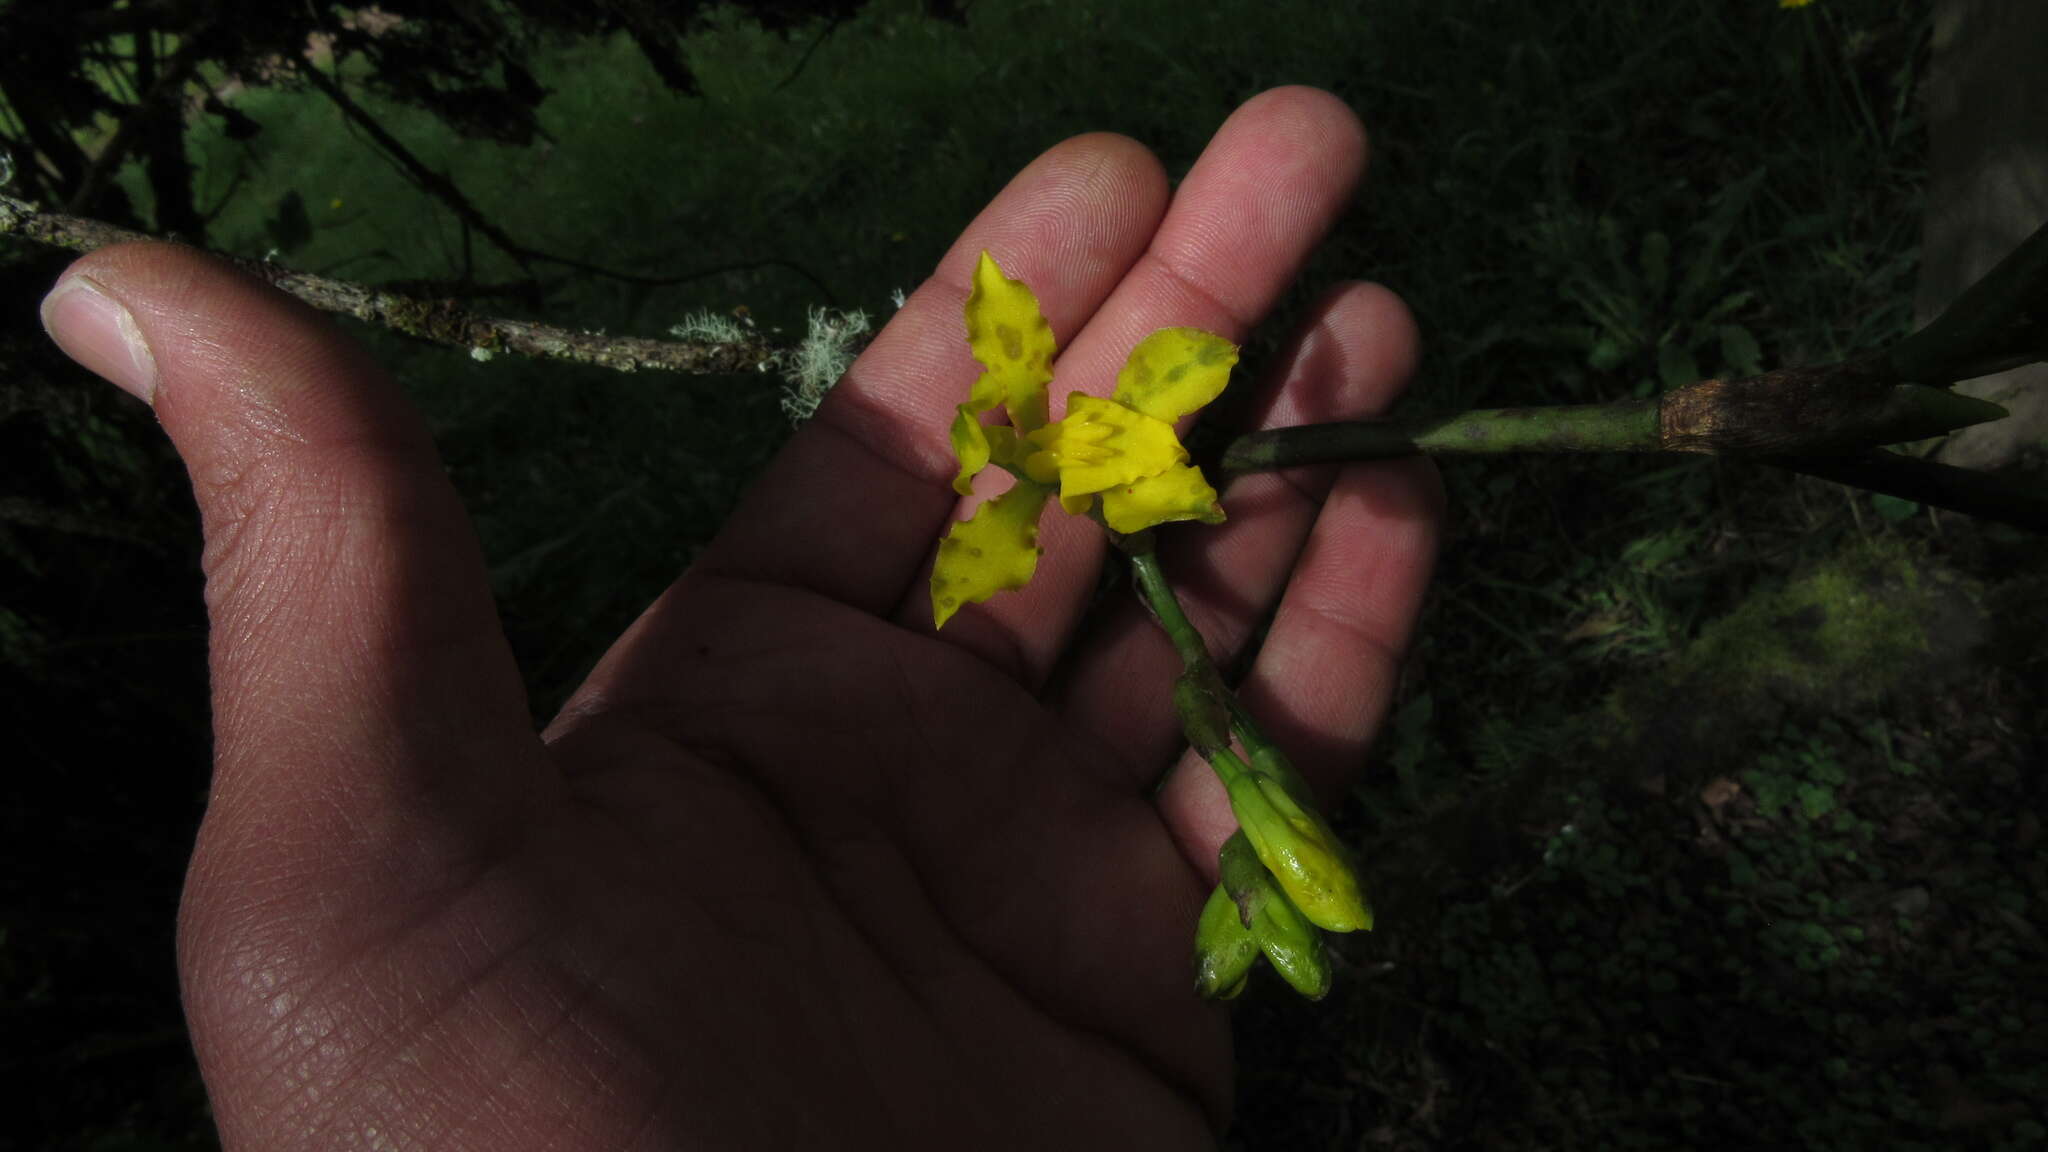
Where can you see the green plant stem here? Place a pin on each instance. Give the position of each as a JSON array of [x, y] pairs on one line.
[[1255, 743], [1629, 426], [1825, 421], [1199, 694], [1823, 409], [1210, 712], [1229, 765], [1165, 606]]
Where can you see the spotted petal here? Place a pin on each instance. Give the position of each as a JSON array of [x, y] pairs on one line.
[[1174, 371], [1099, 445], [1011, 338], [995, 551], [1179, 493], [970, 441]]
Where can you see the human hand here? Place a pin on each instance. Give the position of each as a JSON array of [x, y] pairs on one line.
[[791, 869]]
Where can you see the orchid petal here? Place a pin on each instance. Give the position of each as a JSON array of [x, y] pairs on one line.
[[1011, 338], [1179, 493], [995, 551], [1175, 371], [1101, 444]]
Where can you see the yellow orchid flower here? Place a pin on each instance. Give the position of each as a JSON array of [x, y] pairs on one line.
[[1123, 449]]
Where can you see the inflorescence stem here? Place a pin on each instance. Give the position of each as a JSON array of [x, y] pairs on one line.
[[1210, 712], [1165, 606], [1825, 421]]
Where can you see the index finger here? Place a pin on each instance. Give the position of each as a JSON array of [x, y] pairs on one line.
[[852, 505]]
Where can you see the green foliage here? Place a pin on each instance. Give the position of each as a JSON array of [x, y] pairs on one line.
[[1804, 952], [1850, 628], [1635, 311]]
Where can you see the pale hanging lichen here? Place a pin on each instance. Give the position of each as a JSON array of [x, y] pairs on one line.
[[709, 327], [831, 340], [808, 369]]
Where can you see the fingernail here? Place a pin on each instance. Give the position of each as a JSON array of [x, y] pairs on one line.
[[93, 329]]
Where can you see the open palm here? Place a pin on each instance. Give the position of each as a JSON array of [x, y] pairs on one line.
[[791, 870]]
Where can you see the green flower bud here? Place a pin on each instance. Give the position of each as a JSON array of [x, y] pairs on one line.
[[1301, 852], [1224, 949], [1290, 942], [1293, 946]]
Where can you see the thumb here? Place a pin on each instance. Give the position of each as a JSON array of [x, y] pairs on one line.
[[364, 696]]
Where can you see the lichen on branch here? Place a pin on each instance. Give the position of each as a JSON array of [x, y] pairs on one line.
[[446, 321]]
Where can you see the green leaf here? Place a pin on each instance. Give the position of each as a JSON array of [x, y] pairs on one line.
[[1611, 242], [1816, 800], [289, 227], [1739, 351], [1607, 355], [1893, 507], [1657, 262], [1650, 553], [1729, 303], [1676, 367], [1806, 227]]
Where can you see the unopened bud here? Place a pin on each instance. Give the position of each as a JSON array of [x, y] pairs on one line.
[[1301, 852], [1224, 949], [1293, 947], [1291, 944]]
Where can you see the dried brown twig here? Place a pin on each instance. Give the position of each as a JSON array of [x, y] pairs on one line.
[[442, 320]]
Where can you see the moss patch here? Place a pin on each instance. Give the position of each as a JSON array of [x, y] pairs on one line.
[[1854, 628], [1866, 623]]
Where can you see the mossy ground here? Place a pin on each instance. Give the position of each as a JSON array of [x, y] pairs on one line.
[[1849, 630], [1708, 811], [1814, 926], [1855, 629]]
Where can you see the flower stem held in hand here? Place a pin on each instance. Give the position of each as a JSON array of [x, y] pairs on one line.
[[1306, 869], [1289, 871]]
